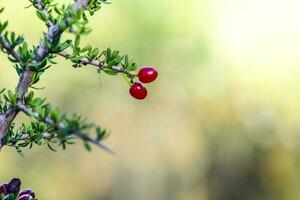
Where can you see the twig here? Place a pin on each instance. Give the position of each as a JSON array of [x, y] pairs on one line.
[[7, 46], [26, 137], [61, 127], [98, 64], [40, 6]]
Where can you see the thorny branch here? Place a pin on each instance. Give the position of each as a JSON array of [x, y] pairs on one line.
[[54, 32]]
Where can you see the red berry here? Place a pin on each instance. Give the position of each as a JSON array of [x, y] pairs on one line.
[[27, 191], [26, 197], [138, 91], [147, 74], [3, 188]]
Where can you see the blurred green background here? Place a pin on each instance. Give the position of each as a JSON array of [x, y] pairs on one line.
[[221, 122]]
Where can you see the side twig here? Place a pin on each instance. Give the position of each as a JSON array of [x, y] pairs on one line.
[[98, 64], [61, 127], [9, 49]]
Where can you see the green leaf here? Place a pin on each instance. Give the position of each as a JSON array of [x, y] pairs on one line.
[[87, 146], [110, 72], [77, 40], [3, 26], [41, 15], [1, 10], [20, 152], [51, 148]]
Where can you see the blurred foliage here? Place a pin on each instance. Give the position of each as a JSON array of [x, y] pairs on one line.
[[222, 120]]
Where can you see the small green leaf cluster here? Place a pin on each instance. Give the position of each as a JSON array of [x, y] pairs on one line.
[[113, 58], [51, 13], [10, 37], [108, 60], [95, 5], [27, 62], [48, 126], [8, 40], [10, 99], [23, 58]]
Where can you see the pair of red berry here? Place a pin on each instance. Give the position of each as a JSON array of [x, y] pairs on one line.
[[13, 187], [146, 75]]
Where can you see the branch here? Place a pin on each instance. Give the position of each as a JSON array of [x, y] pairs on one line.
[[99, 64], [9, 49], [54, 32], [61, 127], [41, 7], [5, 121]]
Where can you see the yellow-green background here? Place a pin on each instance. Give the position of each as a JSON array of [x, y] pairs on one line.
[[220, 123]]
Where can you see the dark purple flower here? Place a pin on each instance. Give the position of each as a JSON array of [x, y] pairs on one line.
[[14, 186], [3, 188], [27, 191], [26, 197]]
